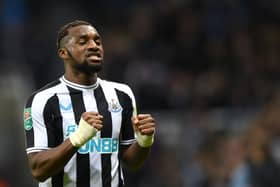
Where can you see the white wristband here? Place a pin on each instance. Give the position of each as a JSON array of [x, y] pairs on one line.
[[144, 140], [83, 133]]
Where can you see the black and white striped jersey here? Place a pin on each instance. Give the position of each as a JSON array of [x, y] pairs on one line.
[[52, 114]]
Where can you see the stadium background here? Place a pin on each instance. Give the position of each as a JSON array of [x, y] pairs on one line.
[[207, 69]]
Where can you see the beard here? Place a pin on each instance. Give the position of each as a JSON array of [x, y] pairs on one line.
[[89, 67], [86, 66]]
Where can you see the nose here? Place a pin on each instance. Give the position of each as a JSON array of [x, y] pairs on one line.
[[92, 44]]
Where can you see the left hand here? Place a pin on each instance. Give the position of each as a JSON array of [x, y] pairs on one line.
[[144, 123]]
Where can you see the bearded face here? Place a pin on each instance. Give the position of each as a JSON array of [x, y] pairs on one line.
[[84, 49]]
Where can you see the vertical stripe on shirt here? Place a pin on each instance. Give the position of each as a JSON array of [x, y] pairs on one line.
[[126, 103], [30, 133], [115, 109], [106, 132], [95, 157], [53, 121], [83, 165], [121, 183]]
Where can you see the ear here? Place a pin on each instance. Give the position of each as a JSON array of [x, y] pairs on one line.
[[63, 53]]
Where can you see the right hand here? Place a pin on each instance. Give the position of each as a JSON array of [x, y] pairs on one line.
[[94, 119], [89, 124]]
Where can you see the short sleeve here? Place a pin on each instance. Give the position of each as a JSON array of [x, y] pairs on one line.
[[34, 127], [128, 102]]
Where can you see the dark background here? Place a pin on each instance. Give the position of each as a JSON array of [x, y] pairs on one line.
[[208, 70]]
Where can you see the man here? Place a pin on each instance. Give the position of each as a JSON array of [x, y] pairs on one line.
[[79, 128]]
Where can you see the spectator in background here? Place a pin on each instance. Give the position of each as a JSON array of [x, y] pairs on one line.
[[222, 159], [15, 85], [263, 146], [248, 159], [213, 55]]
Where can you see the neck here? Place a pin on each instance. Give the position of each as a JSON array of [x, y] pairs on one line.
[[81, 78]]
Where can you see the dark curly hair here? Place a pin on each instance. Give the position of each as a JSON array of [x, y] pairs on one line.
[[63, 31]]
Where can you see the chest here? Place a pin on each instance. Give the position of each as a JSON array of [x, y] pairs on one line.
[[72, 106]]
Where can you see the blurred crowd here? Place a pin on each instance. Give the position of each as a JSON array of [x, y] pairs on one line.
[[208, 69]]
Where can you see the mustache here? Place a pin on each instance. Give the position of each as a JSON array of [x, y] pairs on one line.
[[93, 53]]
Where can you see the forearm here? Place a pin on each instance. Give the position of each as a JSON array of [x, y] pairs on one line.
[[134, 156], [50, 162]]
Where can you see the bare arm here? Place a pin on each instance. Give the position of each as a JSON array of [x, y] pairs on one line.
[[134, 155], [50, 162]]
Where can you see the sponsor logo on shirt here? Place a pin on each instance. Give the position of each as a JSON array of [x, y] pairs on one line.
[[65, 107], [96, 144]]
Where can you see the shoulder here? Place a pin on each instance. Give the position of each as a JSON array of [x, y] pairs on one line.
[[121, 87], [43, 93]]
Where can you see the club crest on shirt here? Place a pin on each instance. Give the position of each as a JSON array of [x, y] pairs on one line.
[[27, 119], [114, 106]]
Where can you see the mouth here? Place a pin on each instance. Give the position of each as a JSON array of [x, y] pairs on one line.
[[94, 57]]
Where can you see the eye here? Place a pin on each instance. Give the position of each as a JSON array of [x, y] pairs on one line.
[[82, 41], [97, 41]]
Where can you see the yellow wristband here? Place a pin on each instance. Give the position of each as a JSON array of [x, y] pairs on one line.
[[83, 133], [144, 140]]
